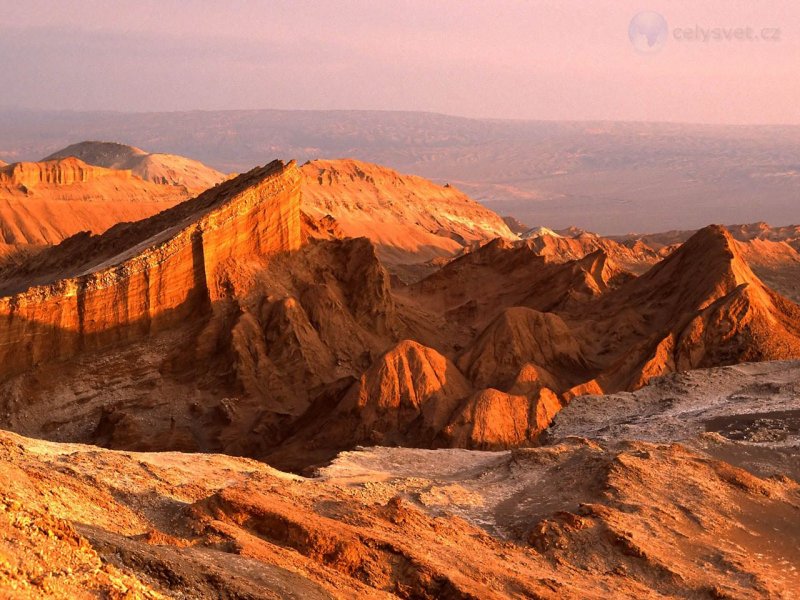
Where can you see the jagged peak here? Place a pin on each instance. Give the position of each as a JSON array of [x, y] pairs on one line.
[[709, 258]]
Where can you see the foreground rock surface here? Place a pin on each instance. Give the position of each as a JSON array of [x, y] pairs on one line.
[[578, 519]]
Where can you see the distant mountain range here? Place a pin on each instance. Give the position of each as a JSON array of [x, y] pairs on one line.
[[606, 177]]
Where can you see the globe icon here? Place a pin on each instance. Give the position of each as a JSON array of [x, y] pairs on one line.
[[648, 32]]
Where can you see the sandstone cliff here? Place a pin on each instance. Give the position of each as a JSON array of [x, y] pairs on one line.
[[141, 277]]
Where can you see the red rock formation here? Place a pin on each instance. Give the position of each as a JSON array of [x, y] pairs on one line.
[[493, 420], [163, 169], [406, 397], [231, 323], [522, 337], [410, 219], [701, 307], [636, 257], [44, 203], [154, 273], [473, 288]]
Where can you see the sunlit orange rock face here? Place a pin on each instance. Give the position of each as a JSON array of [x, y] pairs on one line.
[[410, 219], [45, 202], [164, 169], [56, 172], [168, 269]]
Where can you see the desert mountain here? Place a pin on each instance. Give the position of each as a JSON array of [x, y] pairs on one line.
[[410, 218], [515, 225], [164, 169], [772, 252], [223, 306], [635, 257], [46, 202], [702, 306], [233, 322], [470, 291]]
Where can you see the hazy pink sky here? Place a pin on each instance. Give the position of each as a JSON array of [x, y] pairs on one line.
[[509, 59]]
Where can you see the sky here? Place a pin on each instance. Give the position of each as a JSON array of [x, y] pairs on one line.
[[523, 59]]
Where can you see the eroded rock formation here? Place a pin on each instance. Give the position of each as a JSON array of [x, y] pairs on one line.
[[44, 203], [233, 322], [163, 169]]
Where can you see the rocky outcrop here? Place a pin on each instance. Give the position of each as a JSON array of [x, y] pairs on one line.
[[62, 172], [635, 257], [472, 289], [405, 397], [163, 169], [702, 306], [414, 396], [585, 327], [519, 337], [151, 274], [411, 219], [44, 203], [495, 420]]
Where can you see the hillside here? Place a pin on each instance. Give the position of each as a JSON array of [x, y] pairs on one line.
[[44, 203], [410, 218], [164, 169]]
